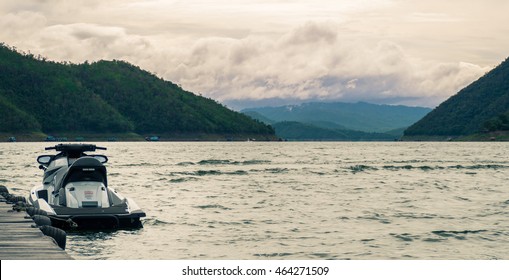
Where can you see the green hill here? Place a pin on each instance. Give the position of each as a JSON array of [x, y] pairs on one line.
[[106, 97], [481, 106], [14, 119]]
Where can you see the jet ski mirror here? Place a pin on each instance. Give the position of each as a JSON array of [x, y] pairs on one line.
[[101, 158], [45, 160]]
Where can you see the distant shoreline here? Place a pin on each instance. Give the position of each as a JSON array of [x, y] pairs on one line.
[[131, 137], [492, 136], [496, 136]]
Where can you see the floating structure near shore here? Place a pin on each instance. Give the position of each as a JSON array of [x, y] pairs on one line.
[[24, 237]]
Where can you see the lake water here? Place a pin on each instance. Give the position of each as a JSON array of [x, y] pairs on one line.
[[289, 200]]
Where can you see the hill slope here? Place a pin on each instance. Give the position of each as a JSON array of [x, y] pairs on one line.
[[48, 96], [106, 96], [354, 116], [482, 105]]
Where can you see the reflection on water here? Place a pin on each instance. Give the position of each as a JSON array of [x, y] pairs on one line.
[[297, 200]]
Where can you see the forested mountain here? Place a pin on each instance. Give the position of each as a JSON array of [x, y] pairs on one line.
[[359, 116], [481, 106], [48, 96], [105, 96]]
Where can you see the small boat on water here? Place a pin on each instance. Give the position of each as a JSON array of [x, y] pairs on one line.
[[152, 138], [75, 193]]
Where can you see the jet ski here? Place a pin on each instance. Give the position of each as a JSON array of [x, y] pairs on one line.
[[75, 194]]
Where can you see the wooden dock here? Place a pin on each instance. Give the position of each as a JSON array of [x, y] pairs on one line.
[[21, 240]]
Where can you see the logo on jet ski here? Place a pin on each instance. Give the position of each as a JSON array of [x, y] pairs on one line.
[[89, 194]]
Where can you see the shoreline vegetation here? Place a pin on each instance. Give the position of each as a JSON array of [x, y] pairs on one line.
[[494, 136]]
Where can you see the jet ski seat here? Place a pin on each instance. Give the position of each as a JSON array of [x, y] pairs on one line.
[[83, 169]]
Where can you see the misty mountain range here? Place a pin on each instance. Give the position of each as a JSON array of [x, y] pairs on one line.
[[338, 120]]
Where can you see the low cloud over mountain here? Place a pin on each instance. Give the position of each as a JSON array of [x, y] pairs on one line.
[[256, 51]]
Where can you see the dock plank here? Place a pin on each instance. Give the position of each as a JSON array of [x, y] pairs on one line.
[[20, 239], [7, 215]]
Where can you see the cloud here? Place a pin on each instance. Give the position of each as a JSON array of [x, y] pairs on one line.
[[408, 52], [21, 24], [315, 61], [79, 42]]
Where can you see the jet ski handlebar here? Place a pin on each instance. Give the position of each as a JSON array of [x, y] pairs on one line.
[[75, 147]]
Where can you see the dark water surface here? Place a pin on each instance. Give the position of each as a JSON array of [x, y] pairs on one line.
[[339, 200]]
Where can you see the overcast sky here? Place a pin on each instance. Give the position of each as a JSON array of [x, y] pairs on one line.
[[260, 52]]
